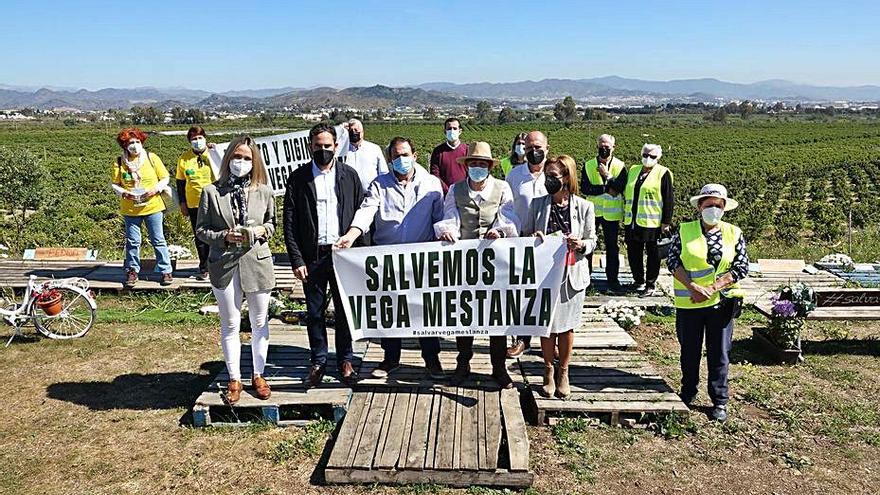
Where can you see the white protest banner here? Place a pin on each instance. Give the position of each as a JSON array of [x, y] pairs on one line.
[[283, 154], [476, 287]]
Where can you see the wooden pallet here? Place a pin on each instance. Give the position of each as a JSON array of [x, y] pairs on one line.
[[604, 382], [110, 275], [454, 436], [291, 403]]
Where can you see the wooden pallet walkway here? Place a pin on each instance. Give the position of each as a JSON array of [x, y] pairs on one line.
[[456, 436], [109, 275], [605, 382], [291, 403], [759, 286]]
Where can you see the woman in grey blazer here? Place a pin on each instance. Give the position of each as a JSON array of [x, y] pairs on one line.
[[236, 219], [563, 212]]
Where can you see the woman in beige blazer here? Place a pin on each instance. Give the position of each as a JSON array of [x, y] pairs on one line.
[[563, 212], [236, 219]]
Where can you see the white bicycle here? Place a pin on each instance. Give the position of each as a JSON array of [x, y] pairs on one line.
[[68, 312]]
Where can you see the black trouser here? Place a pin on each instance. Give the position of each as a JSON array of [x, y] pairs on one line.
[[315, 288], [497, 351], [201, 247], [430, 349], [716, 324], [610, 231], [635, 252]]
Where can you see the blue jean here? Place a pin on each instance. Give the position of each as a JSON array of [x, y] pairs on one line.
[[157, 239]]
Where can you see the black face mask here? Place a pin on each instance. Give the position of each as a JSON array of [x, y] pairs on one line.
[[604, 152], [535, 156], [322, 157], [553, 184], [354, 137]]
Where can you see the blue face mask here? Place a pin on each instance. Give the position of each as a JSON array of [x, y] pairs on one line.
[[402, 164], [478, 174]]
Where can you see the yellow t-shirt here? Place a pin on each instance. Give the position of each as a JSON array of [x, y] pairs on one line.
[[150, 177], [197, 172]]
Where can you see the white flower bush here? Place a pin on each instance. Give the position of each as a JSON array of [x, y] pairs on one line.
[[837, 259], [179, 252], [624, 314]]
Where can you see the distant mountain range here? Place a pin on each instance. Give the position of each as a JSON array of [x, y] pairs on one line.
[[614, 86], [601, 90]]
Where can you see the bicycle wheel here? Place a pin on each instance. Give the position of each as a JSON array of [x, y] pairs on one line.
[[75, 319]]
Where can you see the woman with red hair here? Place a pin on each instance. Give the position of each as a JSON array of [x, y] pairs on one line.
[[138, 177]]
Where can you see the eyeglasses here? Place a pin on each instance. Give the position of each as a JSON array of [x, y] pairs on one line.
[[648, 155]]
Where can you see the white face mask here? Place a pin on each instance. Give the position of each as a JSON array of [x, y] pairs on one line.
[[135, 148], [240, 167], [649, 162], [712, 215], [452, 135], [198, 144], [520, 150]]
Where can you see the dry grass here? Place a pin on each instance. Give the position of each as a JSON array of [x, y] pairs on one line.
[[103, 415]]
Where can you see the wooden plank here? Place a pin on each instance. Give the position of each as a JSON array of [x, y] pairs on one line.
[[613, 406], [493, 428], [433, 426], [515, 429], [344, 443], [444, 458], [457, 479], [781, 265], [481, 432], [418, 438], [366, 449], [469, 459], [396, 430], [456, 432], [393, 397]]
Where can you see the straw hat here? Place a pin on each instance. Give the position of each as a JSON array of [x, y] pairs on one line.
[[715, 191], [479, 150]]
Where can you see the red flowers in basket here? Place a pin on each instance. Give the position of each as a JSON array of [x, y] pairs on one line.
[[49, 300]]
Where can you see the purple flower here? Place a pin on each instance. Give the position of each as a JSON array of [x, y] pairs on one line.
[[784, 308]]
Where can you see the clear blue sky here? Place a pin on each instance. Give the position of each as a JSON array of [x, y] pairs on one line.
[[222, 45]]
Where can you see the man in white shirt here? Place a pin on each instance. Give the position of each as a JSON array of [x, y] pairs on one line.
[[365, 157], [527, 183], [402, 207], [479, 207]]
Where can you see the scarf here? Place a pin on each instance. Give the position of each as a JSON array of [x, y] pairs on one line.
[[237, 187]]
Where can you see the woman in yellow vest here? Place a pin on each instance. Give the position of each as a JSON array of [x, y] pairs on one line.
[[138, 177], [194, 172], [648, 202], [517, 154], [707, 259], [602, 184]]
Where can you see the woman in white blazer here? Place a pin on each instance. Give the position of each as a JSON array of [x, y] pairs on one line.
[[563, 212]]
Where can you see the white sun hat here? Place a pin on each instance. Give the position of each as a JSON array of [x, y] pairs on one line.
[[715, 191]]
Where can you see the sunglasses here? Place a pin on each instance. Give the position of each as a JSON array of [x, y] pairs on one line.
[[647, 155]]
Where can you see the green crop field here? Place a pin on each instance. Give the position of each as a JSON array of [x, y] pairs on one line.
[[798, 181]]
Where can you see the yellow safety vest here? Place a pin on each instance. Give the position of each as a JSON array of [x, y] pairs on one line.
[[605, 205], [650, 206], [694, 250]]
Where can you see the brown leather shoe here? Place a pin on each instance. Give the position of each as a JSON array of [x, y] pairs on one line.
[[516, 350], [167, 279], [316, 375], [349, 375], [261, 388], [131, 278], [233, 391]]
